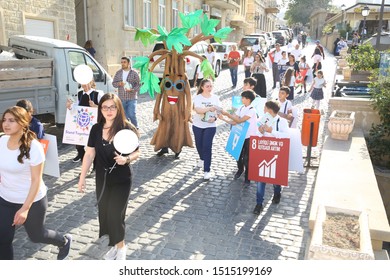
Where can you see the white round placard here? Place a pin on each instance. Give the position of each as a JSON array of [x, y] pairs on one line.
[[125, 141], [83, 74]]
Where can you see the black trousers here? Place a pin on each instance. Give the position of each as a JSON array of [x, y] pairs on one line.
[[243, 160]]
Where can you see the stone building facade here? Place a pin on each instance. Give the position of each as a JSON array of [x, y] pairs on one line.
[[50, 18]]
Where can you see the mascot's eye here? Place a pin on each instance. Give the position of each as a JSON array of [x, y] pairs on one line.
[[180, 84], [168, 84]]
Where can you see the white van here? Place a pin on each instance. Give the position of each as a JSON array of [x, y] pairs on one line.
[[65, 56]]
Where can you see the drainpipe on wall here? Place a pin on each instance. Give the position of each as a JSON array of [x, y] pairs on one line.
[[85, 20]]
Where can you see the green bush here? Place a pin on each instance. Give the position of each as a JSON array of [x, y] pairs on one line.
[[378, 141], [365, 57]]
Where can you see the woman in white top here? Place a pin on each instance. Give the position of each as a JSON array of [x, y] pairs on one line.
[[317, 59], [257, 69], [247, 62], [23, 199], [205, 105], [210, 55]]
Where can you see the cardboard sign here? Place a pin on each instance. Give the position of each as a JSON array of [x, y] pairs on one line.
[[269, 159], [236, 101], [78, 124], [236, 139], [52, 165]]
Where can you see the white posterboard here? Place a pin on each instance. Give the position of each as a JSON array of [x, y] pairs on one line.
[[78, 124], [52, 165]]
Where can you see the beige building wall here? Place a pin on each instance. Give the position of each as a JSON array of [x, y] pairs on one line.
[[61, 13]]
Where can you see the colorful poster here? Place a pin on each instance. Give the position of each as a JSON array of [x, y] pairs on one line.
[[78, 124], [236, 139], [269, 159]]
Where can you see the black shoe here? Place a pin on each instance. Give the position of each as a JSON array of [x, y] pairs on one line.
[[238, 174], [177, 155], [276, 198], [64, 250], [77, 158], [247, 183], [273, 87], [162, 151], [258, 209], [299, 92]]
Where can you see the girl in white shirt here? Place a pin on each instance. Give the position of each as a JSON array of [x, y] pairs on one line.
[[23, 199], [247, 62], [317, 94], [205, 105], [210, 54], [289, 81]]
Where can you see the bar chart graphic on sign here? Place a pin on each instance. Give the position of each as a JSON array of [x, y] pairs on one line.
[[268, 169]]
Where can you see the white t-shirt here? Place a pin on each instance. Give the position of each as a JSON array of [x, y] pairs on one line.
[[285, 106], [201, 120], [297, 54], [279, 128], [319, 83], [251, 113], [210, 56], [125, 74], [248, 61], [15, 177]]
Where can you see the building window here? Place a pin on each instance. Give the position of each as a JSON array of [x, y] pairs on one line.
[[175, 14], [161, 13], [186, 9], [147, 14], [129, 12]]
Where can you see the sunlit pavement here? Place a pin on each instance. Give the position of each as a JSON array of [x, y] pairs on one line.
[[173, 213]]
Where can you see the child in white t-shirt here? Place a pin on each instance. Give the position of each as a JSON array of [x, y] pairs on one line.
[[317, 94], [245, 113]]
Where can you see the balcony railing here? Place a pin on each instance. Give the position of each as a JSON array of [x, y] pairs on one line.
[[271, 7], [224, 4]]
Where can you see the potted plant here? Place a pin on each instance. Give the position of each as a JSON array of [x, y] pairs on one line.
[[341, 124], [340, 234], [363, 60]]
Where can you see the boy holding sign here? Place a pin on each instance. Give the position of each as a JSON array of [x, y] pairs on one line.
[[245, 113], [274, 126]]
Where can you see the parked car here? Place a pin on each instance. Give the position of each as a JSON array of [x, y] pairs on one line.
[[192, 63], [249, 40], [280, 37], [222, 51], [271, 40]]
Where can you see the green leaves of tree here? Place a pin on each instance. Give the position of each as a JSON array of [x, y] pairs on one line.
[[207, 69], [208, 25], [222, 34], [149, 81], [191, 20], [146, 36], [174, 39]]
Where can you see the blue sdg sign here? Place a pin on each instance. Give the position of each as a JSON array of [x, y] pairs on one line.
[[83, 119], [236, 139]]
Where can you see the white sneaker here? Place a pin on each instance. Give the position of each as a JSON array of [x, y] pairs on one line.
[[111, 255], [121, 253], [200, 163], [207, 175]]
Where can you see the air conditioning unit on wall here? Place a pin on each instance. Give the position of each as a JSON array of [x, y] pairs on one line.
[[205, 8]]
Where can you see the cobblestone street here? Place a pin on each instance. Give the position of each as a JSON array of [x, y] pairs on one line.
[[173, 213]]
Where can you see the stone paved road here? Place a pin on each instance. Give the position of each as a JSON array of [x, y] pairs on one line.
[[173, 213]]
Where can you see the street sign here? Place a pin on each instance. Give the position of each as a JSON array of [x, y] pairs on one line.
[[268, 160]]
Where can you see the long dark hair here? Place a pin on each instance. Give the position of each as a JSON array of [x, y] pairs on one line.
[[202, 83], [22, 117], [120, 121]]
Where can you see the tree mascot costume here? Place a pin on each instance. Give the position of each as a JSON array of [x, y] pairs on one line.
[[173, 102]]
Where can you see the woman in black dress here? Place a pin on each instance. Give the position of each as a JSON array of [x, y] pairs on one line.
[[113, 197]]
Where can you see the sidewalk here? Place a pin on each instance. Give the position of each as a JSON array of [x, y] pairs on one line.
[[173, 213]]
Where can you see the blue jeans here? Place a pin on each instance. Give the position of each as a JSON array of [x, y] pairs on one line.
[[261, 190], [204, 142], [233, 74], [130, 107]]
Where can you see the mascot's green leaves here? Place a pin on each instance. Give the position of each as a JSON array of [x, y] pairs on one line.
[[192, 19], [207, 69], [146, 36], [208, 25], [177, 38], [150, 83], [222, 34], [142, 63]]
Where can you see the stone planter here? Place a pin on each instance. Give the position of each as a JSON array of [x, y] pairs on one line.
[[342, 62], [319, 251], [347, 73], [360, 75], [341, 124], [343, 53]]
